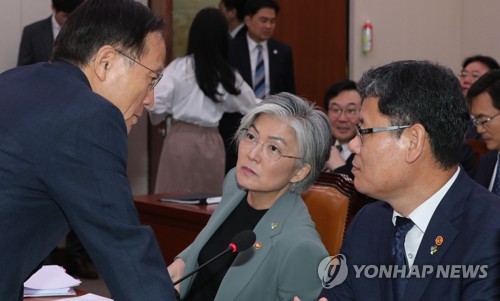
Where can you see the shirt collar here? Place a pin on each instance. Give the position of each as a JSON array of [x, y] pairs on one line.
[[236, 30], [252, 45], [55, 26], [422, 215]]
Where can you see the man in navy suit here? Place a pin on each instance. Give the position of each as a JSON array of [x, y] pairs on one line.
[[435, 234], [484, 99], [63, 150], [38, 38], [260, 20]]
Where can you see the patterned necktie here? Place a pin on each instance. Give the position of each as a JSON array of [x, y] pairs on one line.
[[403, 225], [259, 86], [496, 184]]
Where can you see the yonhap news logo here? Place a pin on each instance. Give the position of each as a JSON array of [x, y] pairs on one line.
[[333, 270]]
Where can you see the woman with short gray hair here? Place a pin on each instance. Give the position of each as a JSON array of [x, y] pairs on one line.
[[282, 145]]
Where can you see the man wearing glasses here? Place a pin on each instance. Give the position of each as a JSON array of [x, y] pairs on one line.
[[63, 150], [342, 102], [484, 99], [431, 216]]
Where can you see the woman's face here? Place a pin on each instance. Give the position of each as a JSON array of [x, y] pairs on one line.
[[260, 169]]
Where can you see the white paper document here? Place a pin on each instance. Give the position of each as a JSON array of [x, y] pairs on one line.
[[87, 297], [50, 280]]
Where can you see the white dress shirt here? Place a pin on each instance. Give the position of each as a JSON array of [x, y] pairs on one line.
[[252, 49], [421, 217], [345, 153], [55, 27], [235, 31], [494, 175], [178, 94]]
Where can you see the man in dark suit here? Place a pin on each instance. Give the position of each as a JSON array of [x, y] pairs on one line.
[[277, 64], [63, 153], [36, 46], [234, 12], [38, 38], [484, 99], [435, 234]]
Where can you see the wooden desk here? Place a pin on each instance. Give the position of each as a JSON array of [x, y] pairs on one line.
[[175, 225]]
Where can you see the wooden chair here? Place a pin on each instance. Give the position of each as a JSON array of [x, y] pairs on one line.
[[329, 203], [478, 147]]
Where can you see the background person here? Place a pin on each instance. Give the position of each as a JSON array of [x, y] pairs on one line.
[[473, 68], [275, 72], [484, 98], [342, 102], [282, 145], [196, 90], [412, 122], [38, 38], [234, 12], [64, 131]]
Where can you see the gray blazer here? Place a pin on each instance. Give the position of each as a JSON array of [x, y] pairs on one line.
[[284, 266]]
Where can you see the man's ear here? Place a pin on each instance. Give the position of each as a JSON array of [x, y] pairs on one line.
[[301, 173], [103, 61], [417, 136], [247, 20]]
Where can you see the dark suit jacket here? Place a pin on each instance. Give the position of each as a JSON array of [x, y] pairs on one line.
[[63, 155], [281, 80], [468, 220], [242, 32], [280, 64], [485, 168], [36, 43]]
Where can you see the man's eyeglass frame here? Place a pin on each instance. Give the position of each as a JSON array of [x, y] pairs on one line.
[[154, 81], [360, 132], [480, 121]]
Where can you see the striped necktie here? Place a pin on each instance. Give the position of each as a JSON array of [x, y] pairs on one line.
[[259, 86], [403, 225]]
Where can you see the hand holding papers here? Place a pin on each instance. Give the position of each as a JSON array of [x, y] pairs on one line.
[[50, 280]]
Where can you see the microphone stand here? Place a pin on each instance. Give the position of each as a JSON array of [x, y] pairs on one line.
[[228, 249]]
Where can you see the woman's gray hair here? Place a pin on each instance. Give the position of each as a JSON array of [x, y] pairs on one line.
[[311, 126]]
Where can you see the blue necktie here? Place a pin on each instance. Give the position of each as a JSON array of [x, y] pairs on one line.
[[496, 184], [259, 83], [403, 225]]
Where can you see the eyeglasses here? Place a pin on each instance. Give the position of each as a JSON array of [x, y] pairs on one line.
[[360, 132], [270, 152], [482, 120], [349, 113], [154, 80], [464, 74]]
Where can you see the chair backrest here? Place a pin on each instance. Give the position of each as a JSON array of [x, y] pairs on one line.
[[328, 204], [478, 147]]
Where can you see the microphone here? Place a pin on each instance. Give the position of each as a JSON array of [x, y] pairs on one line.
[[240, 242]]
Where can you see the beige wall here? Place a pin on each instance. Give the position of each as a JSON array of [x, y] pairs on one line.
[[445, 31]]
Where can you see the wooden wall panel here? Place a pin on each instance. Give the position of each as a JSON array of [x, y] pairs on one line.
[[318, 33]]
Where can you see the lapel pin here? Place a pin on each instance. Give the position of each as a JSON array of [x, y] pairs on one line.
[[275, 51], [257, 245], [274, 225], [439, 240], [433, 249]]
